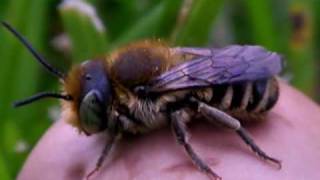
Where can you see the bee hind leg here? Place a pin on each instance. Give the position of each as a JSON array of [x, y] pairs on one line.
[[215, 115], [255, 148], [178, 125]]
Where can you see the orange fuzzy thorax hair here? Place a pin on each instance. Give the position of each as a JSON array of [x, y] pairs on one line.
[[72, 86], [137, 63]]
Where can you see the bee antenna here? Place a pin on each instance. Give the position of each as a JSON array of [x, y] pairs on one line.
[[41, 95], [35, 54]]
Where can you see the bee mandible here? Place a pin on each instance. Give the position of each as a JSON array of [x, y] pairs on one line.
[[148, 85]]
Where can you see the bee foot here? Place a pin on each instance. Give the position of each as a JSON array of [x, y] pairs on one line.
[[92, 173]]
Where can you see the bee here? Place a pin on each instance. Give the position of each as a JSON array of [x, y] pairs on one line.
[[148, 85]]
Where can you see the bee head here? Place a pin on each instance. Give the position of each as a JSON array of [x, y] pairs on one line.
[[87, 91], [94, 97]]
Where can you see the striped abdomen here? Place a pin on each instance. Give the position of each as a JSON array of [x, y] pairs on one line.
[[245, 100]]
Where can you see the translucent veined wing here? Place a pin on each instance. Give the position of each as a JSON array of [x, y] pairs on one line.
[[231, 64]]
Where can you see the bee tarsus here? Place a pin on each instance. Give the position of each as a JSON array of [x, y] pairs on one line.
[[255, 148]]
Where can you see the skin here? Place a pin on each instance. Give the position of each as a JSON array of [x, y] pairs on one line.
[[291, 133]]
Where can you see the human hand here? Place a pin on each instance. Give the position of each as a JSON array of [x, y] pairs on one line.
[[291, 133]]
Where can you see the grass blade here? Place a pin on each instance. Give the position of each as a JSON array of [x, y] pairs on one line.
[[197, 28], [85, 29]]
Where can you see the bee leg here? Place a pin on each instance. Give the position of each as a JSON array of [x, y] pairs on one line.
[[216, 115], [109, 144], [245, 136], [178, 125]]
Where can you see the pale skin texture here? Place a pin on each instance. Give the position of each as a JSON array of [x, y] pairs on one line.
[[291, 133]]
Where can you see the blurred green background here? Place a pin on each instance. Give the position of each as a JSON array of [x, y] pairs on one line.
[[71, 31]]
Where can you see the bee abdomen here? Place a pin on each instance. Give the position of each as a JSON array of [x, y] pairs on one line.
[[264, 95], [243, 99]]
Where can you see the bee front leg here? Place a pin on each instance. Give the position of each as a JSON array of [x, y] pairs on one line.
[[216, 115], [178, 124], [108, 146]]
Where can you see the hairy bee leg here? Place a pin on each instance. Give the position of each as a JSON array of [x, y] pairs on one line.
[[110, 143], [178, 125], [127, 123], [213, 114]]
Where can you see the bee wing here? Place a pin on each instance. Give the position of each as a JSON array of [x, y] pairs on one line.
[[231, 64]]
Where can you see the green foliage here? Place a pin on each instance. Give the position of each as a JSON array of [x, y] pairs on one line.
[[156, 23], [197, 28], [19, 77], [268, 23], [85, 31], [261, 22]]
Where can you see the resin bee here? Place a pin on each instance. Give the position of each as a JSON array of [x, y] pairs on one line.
[[148, 85]]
